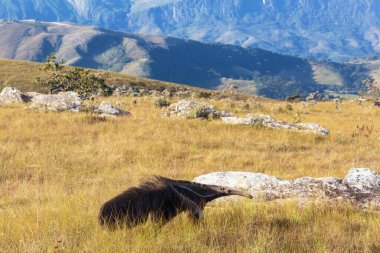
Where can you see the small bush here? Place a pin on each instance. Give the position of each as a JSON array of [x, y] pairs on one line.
[[201, 111], [204, 94], [161, 102], [58, 78]]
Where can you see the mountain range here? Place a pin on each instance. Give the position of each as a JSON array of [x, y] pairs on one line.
[[338, 30], [214, 66]]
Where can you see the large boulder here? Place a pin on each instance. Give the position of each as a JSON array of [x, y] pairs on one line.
[[10, 95], [267, 121], [106, 109], [192, 109], [64, 101], [361, 186], [362, 180]]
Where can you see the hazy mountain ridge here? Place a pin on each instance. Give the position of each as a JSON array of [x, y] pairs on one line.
[[182, 61], [333, 29]]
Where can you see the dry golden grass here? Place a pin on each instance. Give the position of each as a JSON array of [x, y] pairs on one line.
[[56, 169]]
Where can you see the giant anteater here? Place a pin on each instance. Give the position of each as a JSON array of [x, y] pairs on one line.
[[163, 199]]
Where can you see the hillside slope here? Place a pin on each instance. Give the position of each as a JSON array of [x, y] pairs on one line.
[[333, 29], [22, 74], [174, 60]]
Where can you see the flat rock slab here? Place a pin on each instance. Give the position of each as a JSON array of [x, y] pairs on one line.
[[192, 109], [189, 109], [267, 121], [64, 101], [106, 109], [361, 186]]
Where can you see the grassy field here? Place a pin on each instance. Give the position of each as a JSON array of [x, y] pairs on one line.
[[56, 169]]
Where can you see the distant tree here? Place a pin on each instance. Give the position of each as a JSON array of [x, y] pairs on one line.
[[57, 77]]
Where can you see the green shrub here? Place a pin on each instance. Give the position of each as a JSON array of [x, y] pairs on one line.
[[161, 102], [57, 77], [201, 111], [204, 94]]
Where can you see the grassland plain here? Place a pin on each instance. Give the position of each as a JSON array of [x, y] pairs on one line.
[[56, 169]]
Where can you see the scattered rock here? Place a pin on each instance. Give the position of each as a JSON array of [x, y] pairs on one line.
[[189, 109], [220, 114], [361, 186], [64, 101], [192, 109], [362, 179], [315, 96], [234, 120], [267, 121], [106, 109], [311, 127], [135, 92], [10, 95], [116, 92]]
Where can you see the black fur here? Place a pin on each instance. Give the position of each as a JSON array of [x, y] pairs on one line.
[[163, 199]]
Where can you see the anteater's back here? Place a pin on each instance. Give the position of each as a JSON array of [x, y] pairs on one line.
[[130, 207]]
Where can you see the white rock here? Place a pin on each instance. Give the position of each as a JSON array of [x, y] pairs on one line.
[[311, 127], [267, 121], [10, 95], [234, 120], [362, 179], [189, 109], [362, 186], [243, 180], [64, 101], [107, 109]]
